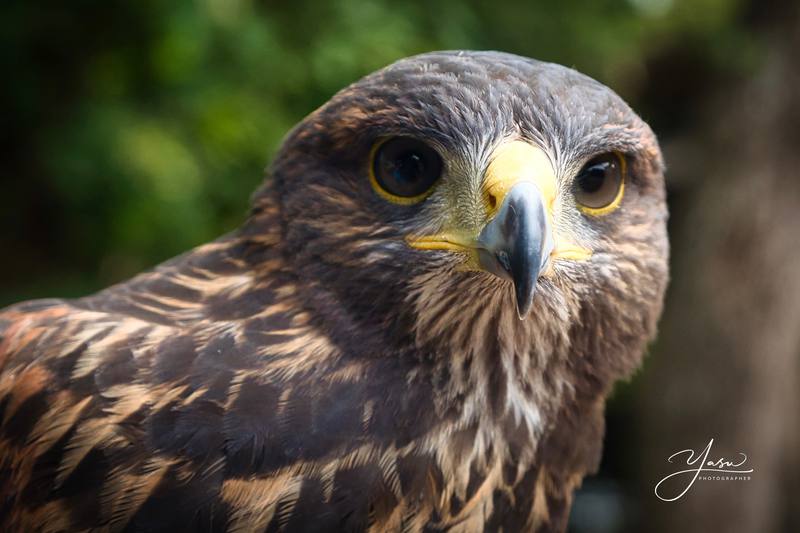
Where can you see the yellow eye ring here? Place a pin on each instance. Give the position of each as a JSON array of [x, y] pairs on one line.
[[404, 170], [600, 185]]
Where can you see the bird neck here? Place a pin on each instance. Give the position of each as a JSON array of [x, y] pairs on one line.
[[513, 371]]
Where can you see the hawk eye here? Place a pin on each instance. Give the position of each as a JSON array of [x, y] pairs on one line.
[[403, 169], [600, 184]]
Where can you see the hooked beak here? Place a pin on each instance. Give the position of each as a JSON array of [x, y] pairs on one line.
[[517, 241], [516, 244]]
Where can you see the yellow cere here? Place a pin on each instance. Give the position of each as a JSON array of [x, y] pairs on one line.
[[513, 162]]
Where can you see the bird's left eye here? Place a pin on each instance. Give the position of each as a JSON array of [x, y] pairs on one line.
[[600, 184], [403, 170]]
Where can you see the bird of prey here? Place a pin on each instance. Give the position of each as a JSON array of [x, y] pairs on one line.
[[449, 265]]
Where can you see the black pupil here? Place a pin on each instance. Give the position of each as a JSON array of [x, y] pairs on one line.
[[592, 178], [406, 167]]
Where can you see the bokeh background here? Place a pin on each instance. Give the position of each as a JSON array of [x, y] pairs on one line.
[[132, 131]]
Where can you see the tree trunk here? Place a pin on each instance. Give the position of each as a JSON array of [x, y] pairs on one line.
[[727, 364]]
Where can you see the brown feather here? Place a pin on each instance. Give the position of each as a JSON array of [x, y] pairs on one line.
[[310, 371]]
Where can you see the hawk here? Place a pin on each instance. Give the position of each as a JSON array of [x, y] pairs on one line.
[[450, 264]]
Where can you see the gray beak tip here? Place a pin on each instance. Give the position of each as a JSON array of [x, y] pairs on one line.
[[524, 300]]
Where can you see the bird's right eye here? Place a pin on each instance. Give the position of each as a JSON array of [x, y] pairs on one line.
[[403, 170]]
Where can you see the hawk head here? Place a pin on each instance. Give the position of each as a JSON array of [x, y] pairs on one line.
[[456, 192]]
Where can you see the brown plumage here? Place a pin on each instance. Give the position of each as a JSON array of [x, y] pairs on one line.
[[319, 368]]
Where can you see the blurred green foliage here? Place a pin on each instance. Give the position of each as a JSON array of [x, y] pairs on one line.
[[136, 130]]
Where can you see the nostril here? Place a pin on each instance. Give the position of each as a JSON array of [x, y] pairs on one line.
[[492, 201], [504, 260]]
